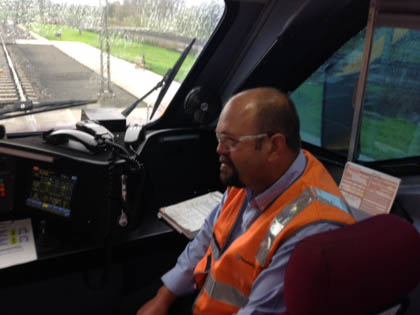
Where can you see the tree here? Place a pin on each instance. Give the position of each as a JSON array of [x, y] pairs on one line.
[[41, 6]]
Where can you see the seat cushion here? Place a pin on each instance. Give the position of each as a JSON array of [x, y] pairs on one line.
[[355, 269]]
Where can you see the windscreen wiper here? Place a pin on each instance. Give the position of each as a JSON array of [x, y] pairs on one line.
[[23, 108], [164, 83]]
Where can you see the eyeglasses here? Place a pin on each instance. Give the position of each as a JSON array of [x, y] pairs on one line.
[[230, 143]]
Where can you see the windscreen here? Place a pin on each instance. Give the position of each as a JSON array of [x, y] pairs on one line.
[[108, 53]]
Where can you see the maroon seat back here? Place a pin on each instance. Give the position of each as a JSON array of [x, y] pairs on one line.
[[357, 269]]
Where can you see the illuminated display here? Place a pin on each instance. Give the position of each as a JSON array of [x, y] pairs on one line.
[[51, 191]]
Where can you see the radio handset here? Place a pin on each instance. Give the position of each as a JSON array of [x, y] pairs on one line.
[[62, 136]]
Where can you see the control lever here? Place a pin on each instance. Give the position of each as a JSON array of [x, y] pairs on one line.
[[95, 129], [133, 134]]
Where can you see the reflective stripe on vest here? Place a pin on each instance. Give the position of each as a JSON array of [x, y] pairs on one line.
[[229, 294], [292, 210], [224, 292], [214, 248]]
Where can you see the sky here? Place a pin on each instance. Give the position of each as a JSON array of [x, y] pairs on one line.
[[90, 2], [97, 2]]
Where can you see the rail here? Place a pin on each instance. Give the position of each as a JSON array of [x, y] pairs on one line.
[[14, 76]]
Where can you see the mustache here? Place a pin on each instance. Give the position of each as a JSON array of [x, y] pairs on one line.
[[226, 160]]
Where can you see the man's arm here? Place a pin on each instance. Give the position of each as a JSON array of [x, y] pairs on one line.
[[267, 294], [179, 280], [160, 304]]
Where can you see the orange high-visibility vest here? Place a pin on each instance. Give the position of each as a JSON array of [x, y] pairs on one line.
[[226, 275]]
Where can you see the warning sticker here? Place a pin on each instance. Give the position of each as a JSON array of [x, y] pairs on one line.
[[368, 190]]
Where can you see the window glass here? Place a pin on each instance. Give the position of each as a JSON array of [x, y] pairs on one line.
[[110, 51], [324, 100], [390, 117]]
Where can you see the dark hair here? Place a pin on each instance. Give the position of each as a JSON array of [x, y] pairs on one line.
[[277, 113]]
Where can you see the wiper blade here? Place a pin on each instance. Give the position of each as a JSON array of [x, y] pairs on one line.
[[23, 108], [164, 83], [170, 76]]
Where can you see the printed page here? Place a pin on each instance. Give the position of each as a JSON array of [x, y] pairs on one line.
[[368, 190], [188, 216], [17, 244]]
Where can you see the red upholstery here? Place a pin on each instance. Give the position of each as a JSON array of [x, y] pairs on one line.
[[356, 269]]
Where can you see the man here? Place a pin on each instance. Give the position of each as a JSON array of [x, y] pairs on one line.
[[277, 195]]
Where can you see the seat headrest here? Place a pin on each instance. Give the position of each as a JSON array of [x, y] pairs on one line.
[[356, 269]]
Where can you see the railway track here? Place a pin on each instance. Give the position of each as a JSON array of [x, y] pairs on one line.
[[15, 88]]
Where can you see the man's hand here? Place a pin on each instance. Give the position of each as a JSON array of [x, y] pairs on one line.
[[160, 304]]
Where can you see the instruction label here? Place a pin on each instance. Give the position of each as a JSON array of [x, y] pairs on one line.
[[17, 245], [368, 190]]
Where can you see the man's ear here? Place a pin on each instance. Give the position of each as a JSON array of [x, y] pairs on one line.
[[278, 146]]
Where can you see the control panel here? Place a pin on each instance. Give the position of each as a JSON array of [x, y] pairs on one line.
[[69, 196], [51, 191]]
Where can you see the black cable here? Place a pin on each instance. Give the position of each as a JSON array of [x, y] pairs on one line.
[[118, 146], [126, 155], [132, 149]]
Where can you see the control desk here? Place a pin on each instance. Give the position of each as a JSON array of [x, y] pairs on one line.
[[94, 214], [73, 198]]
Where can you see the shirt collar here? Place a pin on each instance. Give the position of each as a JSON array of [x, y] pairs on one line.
[[264, 199]]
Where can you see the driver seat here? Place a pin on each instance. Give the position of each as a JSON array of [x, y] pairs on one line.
[[364, 268]]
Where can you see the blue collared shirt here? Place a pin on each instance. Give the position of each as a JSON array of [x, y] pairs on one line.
[[267, 291]]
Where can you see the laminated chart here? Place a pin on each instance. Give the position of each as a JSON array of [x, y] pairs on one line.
[[368, 190], [17, 245]]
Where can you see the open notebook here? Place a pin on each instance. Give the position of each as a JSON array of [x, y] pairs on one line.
[[188, 216]]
